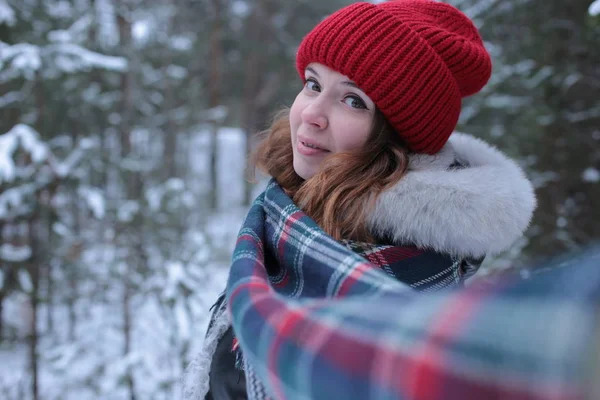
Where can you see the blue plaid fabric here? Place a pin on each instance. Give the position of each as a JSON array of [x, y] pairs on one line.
[[358, 333]]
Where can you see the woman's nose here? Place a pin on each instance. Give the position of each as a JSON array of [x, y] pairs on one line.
[[315, 115]]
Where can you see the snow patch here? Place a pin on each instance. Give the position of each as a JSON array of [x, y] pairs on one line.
[[140, 31], [94, 199], [176, 275], [182, 317], [181, 43], [59, 9], [61, 229], [24, 136], [7, 15], [60, 36], [591, 174], [240, 8], [25, 59], [25, 280], [11, 253], [12, 199], [108, 32], [176, 72], [594, 9], [72, 57], [128, 211]]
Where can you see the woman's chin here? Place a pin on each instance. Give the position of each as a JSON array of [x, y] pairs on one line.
[[304, 171]]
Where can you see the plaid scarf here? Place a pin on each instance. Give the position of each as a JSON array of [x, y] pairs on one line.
[[304, 262], [280, 246], [332, 325]]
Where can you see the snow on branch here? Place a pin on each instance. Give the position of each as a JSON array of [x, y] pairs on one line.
[[20, 182], [7, 15], [24, 59], [86, 58], [594, 9], [20, 136], [13, 201], [107, 23], [11, 253], [94, 198], [64, 168]]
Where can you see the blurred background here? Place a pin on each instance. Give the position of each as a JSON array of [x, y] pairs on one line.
[[124, 131]]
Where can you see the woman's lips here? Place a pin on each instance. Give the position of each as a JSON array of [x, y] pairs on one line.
[[304, 149]]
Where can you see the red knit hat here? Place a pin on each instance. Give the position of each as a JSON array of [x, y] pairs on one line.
[[415, 59]]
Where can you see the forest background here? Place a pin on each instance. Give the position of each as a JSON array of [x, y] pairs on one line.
[[124, 126]]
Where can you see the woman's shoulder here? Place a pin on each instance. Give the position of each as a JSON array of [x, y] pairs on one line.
[[468, 200]]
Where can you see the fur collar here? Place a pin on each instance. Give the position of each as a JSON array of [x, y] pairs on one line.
[[473, 211]]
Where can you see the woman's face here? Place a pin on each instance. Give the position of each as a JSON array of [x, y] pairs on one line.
[[330, 115]]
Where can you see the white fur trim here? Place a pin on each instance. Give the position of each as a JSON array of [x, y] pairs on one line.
[[196, 378], [478, 210]]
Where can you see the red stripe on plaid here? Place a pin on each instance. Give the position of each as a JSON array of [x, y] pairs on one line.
[[391, 255], [397, 253], [351, 354], [377, 258], [425, 380], [287, 227], [342, 350], [248, 286], [428, 374], [353, 277], [284, 281], [285, 328], [244, 237]]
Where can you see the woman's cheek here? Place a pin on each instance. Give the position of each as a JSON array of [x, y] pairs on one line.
[[353, 136]]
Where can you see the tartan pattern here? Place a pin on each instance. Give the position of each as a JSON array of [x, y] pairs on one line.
[[362, 335], [422, 270], [406, 263], [382, 256]]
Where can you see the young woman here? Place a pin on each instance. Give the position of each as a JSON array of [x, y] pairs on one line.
[[370, 187]]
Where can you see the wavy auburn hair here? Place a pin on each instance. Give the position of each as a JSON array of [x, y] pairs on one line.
[[343, 191]]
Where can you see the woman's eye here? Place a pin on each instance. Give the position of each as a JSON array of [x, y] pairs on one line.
[[312, 85], [355, 102]]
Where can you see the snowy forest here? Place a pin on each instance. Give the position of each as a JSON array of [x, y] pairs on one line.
[[124, 130]]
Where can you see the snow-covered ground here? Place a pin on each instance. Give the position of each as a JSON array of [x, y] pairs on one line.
[[167, 328], [91, 366]]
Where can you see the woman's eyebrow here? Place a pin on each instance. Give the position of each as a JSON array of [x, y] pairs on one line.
[[350, 83], [313, 71], [347, 83]]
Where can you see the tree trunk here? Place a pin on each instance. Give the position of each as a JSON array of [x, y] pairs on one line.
[[169, 130], [73, 258], [170, 134], [1, 313], [33, 265], [255, 98], [71, 298], [250, 85], [4, 272], [215, 57], [132, 184], [49, 220], [127, 332], [33, 269], [49, 299]]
